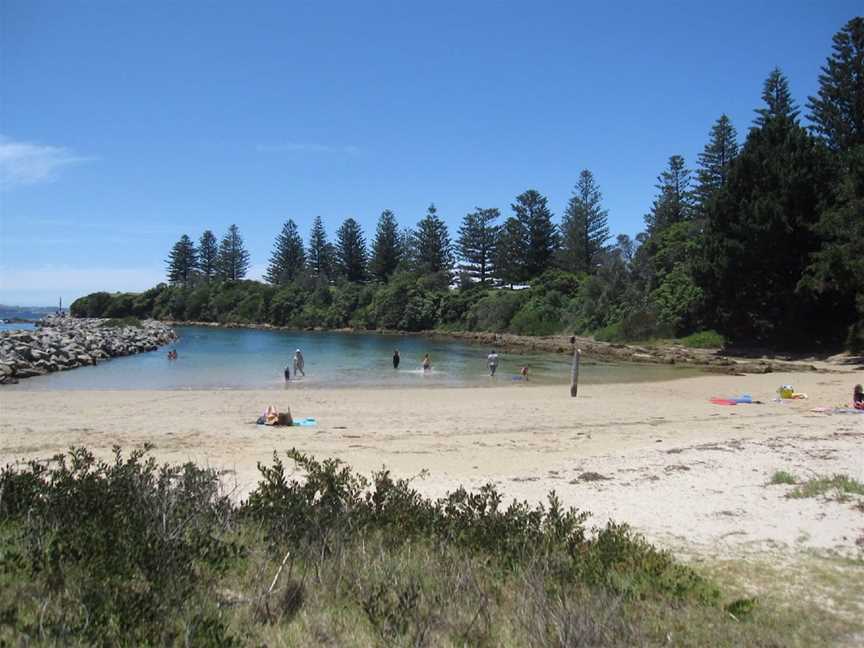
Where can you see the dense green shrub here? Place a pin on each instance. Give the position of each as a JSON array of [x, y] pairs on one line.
[[331, 502], [704, 340], [495, 311], [130, 541], [677, 301], [93, 305]]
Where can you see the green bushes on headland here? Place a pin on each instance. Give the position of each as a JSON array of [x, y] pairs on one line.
[[128, 552], [553, 303]]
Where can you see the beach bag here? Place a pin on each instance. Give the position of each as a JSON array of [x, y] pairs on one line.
[[285, 418]]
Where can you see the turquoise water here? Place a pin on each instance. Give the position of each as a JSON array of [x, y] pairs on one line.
[[211, 358]]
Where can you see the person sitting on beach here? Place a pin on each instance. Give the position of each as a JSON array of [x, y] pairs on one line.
[[427, 363], [396, 358], [858, 397], [298, 363], [492, 359]]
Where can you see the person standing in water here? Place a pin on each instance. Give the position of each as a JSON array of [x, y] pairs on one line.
[[427, 363], [298, 363], [492, 359], [287, 373], [396, 358]]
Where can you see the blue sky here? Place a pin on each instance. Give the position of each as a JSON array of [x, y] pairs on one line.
[[126, 124]]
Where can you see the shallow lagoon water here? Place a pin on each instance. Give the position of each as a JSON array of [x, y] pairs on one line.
[[17, 326], [213, 358]]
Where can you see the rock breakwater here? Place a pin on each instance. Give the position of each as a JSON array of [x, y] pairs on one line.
[[62, 343]]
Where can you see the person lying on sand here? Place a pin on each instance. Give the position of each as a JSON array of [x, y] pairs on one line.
[[272, 416]]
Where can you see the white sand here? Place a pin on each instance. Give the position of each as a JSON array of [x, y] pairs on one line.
[[681, 470]]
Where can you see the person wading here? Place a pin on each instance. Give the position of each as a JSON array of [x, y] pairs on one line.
[[299, 363]]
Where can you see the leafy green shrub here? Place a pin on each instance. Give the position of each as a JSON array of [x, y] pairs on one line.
[[610, 333], [129, 540], [332, 503], [536, 319], [495, 311], [389, 303], [676, 300], [840, 485], [782, 477], [642, 324], [92, 305], [704, 340], [121, 305]]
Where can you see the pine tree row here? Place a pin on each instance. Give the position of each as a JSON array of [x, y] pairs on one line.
[[227, 260]]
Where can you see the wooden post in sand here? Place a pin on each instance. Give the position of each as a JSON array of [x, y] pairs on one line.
[[574, 372]]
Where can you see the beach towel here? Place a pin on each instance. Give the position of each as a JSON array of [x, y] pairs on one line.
[[744, 399], [716, 400], [305, 422]]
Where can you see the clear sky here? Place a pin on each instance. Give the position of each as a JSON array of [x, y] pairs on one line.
[[125, 124]]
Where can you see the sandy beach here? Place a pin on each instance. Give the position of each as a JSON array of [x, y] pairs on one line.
[[660, 456]]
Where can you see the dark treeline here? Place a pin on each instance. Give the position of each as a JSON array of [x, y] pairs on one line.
[[763, 241]]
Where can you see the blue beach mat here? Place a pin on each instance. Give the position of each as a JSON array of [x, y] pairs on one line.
[[305, 422]]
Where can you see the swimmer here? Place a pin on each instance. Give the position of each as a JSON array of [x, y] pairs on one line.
[[396, 358], [427, 363]]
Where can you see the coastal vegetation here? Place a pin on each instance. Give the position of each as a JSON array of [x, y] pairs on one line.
[[762, 244], [128, 552]]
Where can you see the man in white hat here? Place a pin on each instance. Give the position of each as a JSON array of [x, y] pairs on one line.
[[298, 363]]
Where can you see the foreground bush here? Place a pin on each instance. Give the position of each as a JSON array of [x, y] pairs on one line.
[[130, 553]]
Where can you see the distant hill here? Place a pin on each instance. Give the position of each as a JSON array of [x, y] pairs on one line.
[[25, 312]]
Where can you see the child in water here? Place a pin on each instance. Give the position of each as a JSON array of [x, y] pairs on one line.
[[427, 363]]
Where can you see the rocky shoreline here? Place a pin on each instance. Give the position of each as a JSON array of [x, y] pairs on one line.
[[712, 360], [62, 343]]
